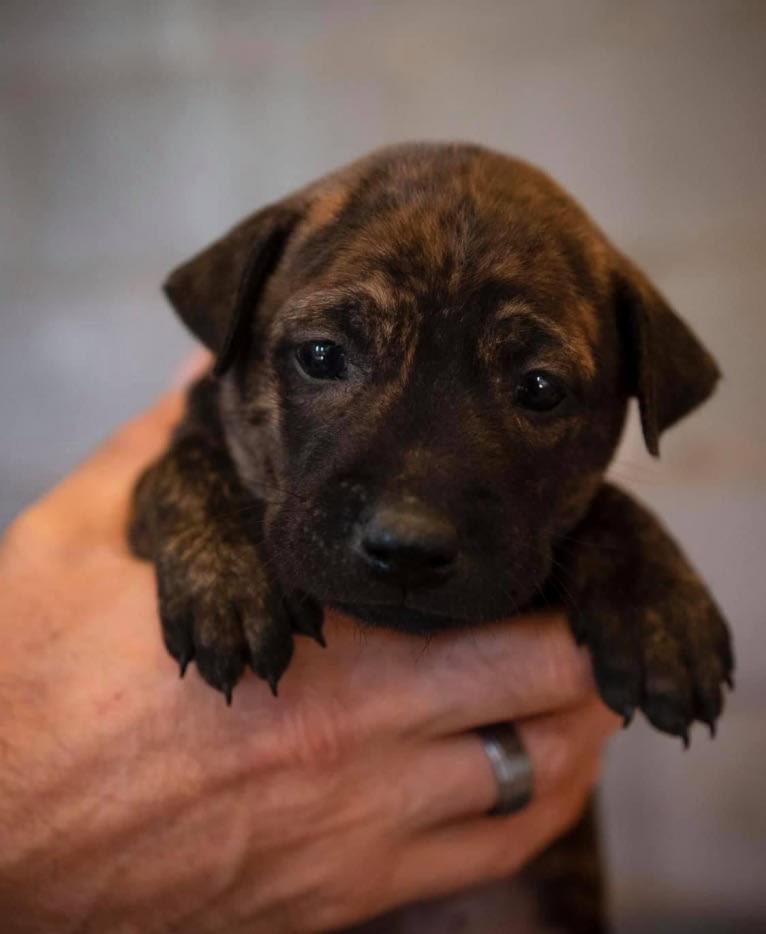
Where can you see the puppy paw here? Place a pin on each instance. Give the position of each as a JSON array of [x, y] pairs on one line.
[[668, 657], [658, 640], [222, 611]]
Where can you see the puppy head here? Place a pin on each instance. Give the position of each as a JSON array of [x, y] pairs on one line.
[[425, 363]]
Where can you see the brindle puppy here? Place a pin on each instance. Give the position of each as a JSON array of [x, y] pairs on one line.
[[423, 368]]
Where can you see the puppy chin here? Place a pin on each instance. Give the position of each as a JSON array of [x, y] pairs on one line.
[[450, 603], [402, 618], [423, 615]]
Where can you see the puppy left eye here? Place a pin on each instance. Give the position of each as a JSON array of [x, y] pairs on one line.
[[540, 391], [322, 360]]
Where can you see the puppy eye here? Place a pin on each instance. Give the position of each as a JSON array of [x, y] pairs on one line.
[[539, 391], [322, 360]]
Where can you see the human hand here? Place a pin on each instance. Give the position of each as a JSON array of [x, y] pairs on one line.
[[132, 801]]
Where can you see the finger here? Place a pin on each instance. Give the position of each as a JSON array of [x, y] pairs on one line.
[[436, 782], [521, 667], [448, 779], [96, 495], [560, 744], [481, 849], [458, 681], [145, 436]]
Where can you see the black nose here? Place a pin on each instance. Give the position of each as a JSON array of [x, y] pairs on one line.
[[409, 540]]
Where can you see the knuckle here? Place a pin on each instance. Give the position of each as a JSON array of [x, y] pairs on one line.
[[562, 672], [30, 531], [315, 737], [550, 746], [556, 758], [571, 671], [573, 810], [404, 803], [17, 535], [133, 434]]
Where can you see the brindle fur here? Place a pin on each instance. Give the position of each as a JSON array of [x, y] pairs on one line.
[[445, 271]]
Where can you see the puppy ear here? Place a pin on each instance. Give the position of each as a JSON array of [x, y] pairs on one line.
[[216, 292], [667, 368]]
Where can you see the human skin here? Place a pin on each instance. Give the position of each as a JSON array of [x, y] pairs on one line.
[[132, 801]]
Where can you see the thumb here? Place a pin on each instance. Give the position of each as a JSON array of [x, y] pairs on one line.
[[95, 496]]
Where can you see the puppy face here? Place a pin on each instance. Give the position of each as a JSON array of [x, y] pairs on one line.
[[426, 361]]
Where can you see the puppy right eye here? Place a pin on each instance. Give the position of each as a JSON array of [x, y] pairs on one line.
[[540, 391], [322, 360]]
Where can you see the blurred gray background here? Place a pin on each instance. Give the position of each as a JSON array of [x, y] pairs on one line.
[[132, 133]]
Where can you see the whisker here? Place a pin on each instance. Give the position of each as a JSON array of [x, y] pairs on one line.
[[586, 543], [556, 577]]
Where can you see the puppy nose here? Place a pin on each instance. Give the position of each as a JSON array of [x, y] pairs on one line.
[[410, 540]]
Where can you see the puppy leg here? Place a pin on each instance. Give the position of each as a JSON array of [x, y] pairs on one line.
[[218, 603], [658, 640]]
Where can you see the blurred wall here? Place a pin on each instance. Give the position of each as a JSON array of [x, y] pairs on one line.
[[132, 133]]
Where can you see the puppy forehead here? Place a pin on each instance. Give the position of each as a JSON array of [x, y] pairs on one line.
[[416, 188], [429, 226], [370, 312], [442, 204]]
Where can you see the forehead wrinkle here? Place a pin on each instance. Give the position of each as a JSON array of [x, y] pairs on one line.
[[369, 306], [312, 309], [426, 234], [572, 341], [325, 207], [362, 295]]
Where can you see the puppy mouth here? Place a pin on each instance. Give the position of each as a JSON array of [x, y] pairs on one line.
[[406, 619], [426, 611]]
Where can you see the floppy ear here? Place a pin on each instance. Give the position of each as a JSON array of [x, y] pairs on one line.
[[668, 369], [215, 293]]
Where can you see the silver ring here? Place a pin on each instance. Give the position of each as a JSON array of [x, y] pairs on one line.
[[511, 765]]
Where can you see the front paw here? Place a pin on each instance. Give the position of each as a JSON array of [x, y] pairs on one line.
[[667, 655], [225, 613]]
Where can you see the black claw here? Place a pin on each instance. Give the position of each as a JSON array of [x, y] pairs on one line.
[[318, 636], [311, 623], [312, 629], [684, 734], [306, 617], [729, 679], [580, 634], [627, 717], [228, 693], [183, 664], [273, 683]]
